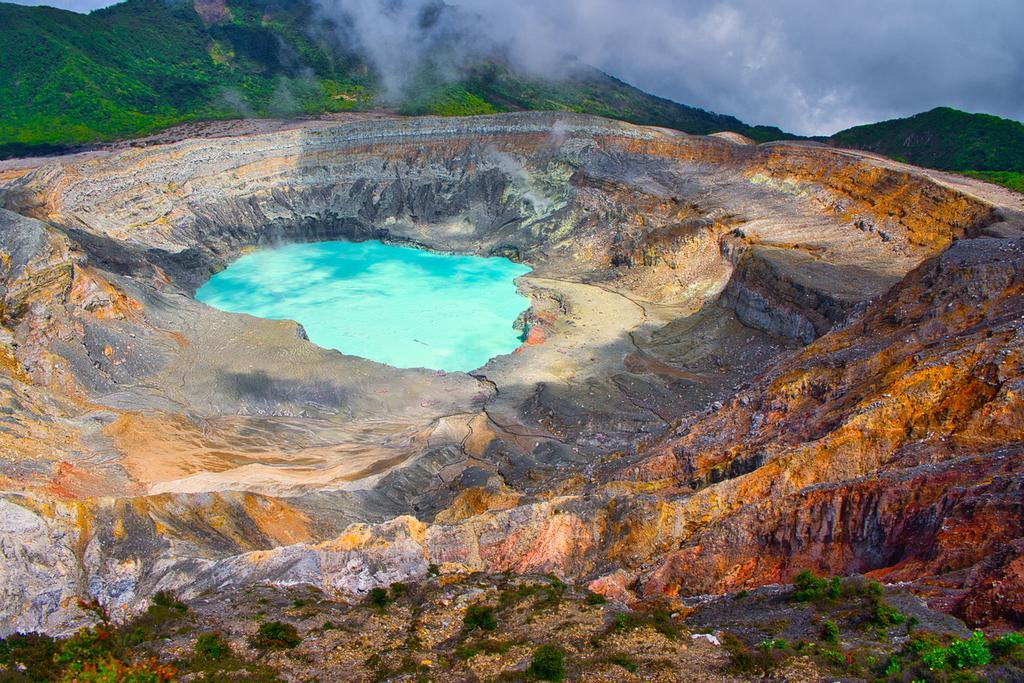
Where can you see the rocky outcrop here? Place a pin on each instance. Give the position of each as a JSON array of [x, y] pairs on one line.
[[741, 361]]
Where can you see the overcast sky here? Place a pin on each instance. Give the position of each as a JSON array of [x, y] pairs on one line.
[[808, 66]]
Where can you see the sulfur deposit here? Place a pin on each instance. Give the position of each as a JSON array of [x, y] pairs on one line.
[[742, 361]]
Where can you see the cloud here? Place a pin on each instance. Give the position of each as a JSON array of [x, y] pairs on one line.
[[808, 66], [81, 6], [399, 37]]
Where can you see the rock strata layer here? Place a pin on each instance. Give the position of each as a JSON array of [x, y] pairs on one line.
[[742, 361]]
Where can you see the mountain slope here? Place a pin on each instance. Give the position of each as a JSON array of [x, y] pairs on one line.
[[69, 79], [980, 145], [495, 87]]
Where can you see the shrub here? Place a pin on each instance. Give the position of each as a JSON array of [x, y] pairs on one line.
[[934, 659], [595, 599], [659, 620], [87, 647], [112, 670], [807, 586], [1007, 643], [553, 593], [398, 589], [547, 664], [479, 616], [746, 661], [885, 615], [433, 570], [965, 653], [775, 644], [213, 647], [830, 632], [379, 598], [31, 653], [275, 635], [969, 652], [625, 621]]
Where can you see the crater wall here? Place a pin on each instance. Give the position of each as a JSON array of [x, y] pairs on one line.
[[156, 443]]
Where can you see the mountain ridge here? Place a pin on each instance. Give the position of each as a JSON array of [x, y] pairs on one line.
[[143, 65], [978, 145]]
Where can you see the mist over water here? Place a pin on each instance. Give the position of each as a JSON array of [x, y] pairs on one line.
[[397, 305]]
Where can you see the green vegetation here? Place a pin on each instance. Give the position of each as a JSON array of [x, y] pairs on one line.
[[870, 649], [212, 646], [32, 653], [979, 145], [658, 619], [448, 100], [140, 66], [143, 65], [550, 595], [379, 598], [830, 632], [494, 87], [926, 655], [808, 587], [547, 664], [1010, 179], [487, 645], [134, 68], [275, 635], [1009, 644], [746, 661], [99, 653], [479, 617]]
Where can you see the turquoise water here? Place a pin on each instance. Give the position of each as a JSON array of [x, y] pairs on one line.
[[397, 305]]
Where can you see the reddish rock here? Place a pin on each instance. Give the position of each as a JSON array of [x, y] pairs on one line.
[[535, 336]]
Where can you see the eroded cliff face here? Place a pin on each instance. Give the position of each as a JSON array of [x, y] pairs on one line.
[[743, 361]]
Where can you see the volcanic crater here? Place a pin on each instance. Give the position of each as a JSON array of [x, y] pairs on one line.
[[743, 360]]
